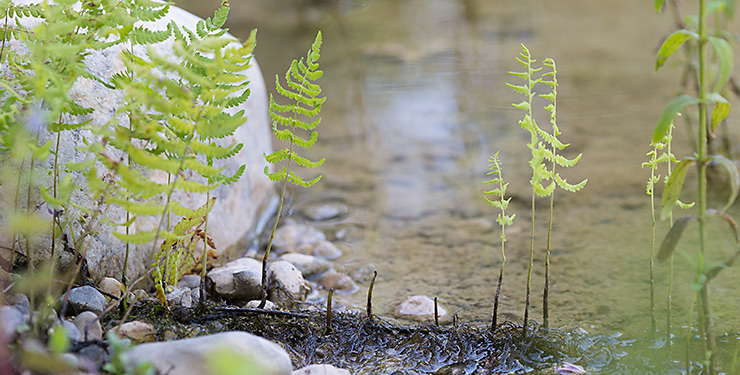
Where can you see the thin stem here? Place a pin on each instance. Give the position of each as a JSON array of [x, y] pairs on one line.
[[529, 271], [546, 293], [653, 322], [500, 278]]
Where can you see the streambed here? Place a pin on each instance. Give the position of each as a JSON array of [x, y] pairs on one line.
[[417, 103]]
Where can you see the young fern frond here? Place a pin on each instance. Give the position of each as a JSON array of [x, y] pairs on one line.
[[497, 200], [301, 88]]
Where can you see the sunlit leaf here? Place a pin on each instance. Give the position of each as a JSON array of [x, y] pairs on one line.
[[671, 239], [721, 108], [673, 187], [670, 111], [671, 44]]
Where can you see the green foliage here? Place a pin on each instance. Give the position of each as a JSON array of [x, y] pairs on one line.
[[544, 147], [302, 114], [164, 139], [497, 194]]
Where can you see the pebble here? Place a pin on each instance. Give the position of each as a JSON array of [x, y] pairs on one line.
[[325, 249], [420, 308], [287, 284], [321, 370], [111, 286], [179, 297], [324, 210], [269, 305], [137, 331], [72, 332], [291, 237], [340, 282], [86, 298], [94, 330], [12, 318], [191, 281], [192, 356], [309, 265], [238, 280]]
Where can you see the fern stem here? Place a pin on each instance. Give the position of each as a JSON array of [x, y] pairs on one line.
[[202, 296], [529, 271], [546, 292], [500, 278]]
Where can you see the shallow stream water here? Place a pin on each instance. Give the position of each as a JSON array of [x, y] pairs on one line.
[[417, 103]]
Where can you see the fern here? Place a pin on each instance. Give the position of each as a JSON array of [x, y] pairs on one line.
[[544, 147], [300, 79], [497, 193]]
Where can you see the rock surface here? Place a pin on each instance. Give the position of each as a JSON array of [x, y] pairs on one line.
[[190, 356], [12, 318], [309, 265], [86, 298], [94, 330], [287, 285], [111, 286], [238, 280], [237, 205]]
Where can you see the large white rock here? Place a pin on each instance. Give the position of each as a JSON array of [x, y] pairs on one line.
[[196, 356], [236, 206]]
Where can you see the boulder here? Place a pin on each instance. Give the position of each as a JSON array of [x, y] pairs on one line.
[[236, 206], [197, 356]]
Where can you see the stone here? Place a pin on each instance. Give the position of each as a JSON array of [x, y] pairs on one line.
[[340, 282], [191, 356], [326, 249], [287, 284], [291, 237], [86, 298], [111, 286], [321, 370], [11, 318], [191, 281], [269, 305], [238, 280], [95, 354], [237, 205], [137, 331], [94, 330], [309, 265], [179, 297], [421, 309], [72, 332], [324, 210], [20, 301]]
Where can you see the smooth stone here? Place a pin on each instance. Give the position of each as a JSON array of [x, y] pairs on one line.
[[94, 331], [238, 280], [111, 286], [287, 284], [325, 249], [321, 370], [269, 305], [291, 237], [179, 297], [191, 356], [324, 210], [309, 265], [86, 298], [95, 354], [340, 282], [12, 318], [190, 281], [237, 205], [420, 308], [72, 332], [137, 331]]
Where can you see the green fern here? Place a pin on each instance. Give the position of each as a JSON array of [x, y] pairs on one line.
[[301, 89], [544, 147], [497, 194]]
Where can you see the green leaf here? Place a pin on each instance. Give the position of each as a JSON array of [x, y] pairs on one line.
[[58, 339], [721, 108], [671, 239], [671, 44], [724, 53], [734, 174], [659, 5], [673, 186], [670, 111]]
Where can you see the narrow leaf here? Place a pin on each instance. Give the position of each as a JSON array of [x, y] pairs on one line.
[[721, 108], [734, 174], [671, 44], [671, 239], [673, 186], [670, 111], [724, 53]]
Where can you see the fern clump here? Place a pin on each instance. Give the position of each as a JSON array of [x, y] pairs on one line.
[[497, 194], [544, 148], [287, 119]]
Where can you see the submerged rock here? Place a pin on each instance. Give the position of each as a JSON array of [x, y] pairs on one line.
[[340, 282], [86, 298], [309, 265], [191, 356], [324, 210], [291, 237], [421, 309], [238, 280]]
